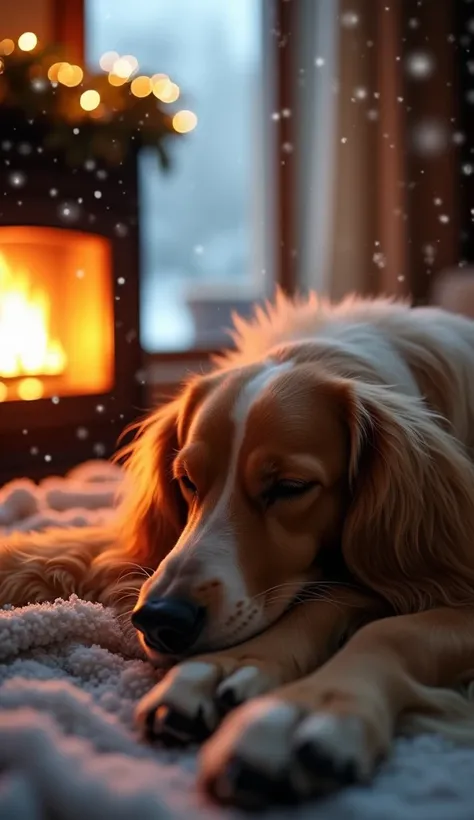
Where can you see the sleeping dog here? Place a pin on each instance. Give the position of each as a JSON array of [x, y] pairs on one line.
[[303, 517]]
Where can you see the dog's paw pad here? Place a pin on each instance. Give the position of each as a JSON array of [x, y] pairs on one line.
[[250, 787], [172, 727], [333, 748]]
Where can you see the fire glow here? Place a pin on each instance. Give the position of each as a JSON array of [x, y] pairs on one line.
[[27, 347]]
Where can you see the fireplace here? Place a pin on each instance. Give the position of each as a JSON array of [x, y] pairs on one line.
[[70, 362], [56, 314]]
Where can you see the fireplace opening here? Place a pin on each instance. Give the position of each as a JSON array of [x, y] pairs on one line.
[[56, 313]]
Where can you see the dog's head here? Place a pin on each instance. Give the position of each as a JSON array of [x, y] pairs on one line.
[[253, 475]]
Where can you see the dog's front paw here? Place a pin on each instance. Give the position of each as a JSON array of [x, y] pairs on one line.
[[276, 751], [188, 704]]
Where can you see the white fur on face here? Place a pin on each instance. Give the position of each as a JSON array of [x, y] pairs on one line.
[[213, 546]]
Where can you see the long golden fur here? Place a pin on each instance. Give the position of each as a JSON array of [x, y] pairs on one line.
[[370, 405]]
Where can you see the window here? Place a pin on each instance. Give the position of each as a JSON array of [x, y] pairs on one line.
[[203, 226]]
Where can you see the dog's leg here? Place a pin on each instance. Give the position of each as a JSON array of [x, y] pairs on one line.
[[192, 698], [332, 727]]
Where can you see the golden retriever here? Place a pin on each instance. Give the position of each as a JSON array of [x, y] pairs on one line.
[[306, 514]]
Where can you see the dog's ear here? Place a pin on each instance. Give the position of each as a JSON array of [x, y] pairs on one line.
[[153, 512], [408, 532]]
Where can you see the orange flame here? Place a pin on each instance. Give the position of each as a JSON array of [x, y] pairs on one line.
[[26, 347]]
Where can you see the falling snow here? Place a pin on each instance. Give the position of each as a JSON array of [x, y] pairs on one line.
[[17, 179], [420, 65], [349, 19]]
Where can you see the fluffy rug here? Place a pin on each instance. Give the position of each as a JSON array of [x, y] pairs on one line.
[[69, 680]]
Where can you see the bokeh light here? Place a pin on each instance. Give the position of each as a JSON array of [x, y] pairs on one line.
[[141, 86], [107, 60], [166, 91], [27, 41], [7, 47], [125, 66], [184, 121], [30, 389], [115, 80], [70, 75], [89, 100]]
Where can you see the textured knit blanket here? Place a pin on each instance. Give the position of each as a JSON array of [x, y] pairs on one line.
[[69, 681]]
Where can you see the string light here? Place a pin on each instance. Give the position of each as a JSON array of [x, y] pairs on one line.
[[27, 41], [117, 81], [89, 100], [184, 121], [164, 89], [7, 47], [70, 75], [108, 59], [141, 86], [125, 66], [53, 72]]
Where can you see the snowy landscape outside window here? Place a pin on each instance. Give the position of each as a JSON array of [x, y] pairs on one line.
[[203, 225]]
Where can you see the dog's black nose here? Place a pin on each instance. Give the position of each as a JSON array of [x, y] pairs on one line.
[[170, 625]]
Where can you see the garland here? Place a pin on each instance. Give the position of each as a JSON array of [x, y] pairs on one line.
[[121, 122]]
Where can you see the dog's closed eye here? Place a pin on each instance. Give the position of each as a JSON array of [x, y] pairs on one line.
[[187, 484], [287, 489]]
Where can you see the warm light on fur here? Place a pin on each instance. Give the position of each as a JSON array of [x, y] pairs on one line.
[[368, 403]]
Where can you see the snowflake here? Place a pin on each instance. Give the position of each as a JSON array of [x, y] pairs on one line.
[[69, 211], [121, 229], [34, 451], [379, 259], [467, 169], [429, 138], [47, 457], [82, 433], [120, 280], [198, 250], [39, 84], [17, 179], [360, 93], [53, 192], [349, 19], [98, 194], [55, 399], [100, 408], [99, 449], [444, 218], [319, 62], [420, 65], [80, 273], [75, 131], [89, 164]]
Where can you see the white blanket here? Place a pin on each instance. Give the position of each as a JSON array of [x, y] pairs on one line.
[[69, 680]]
